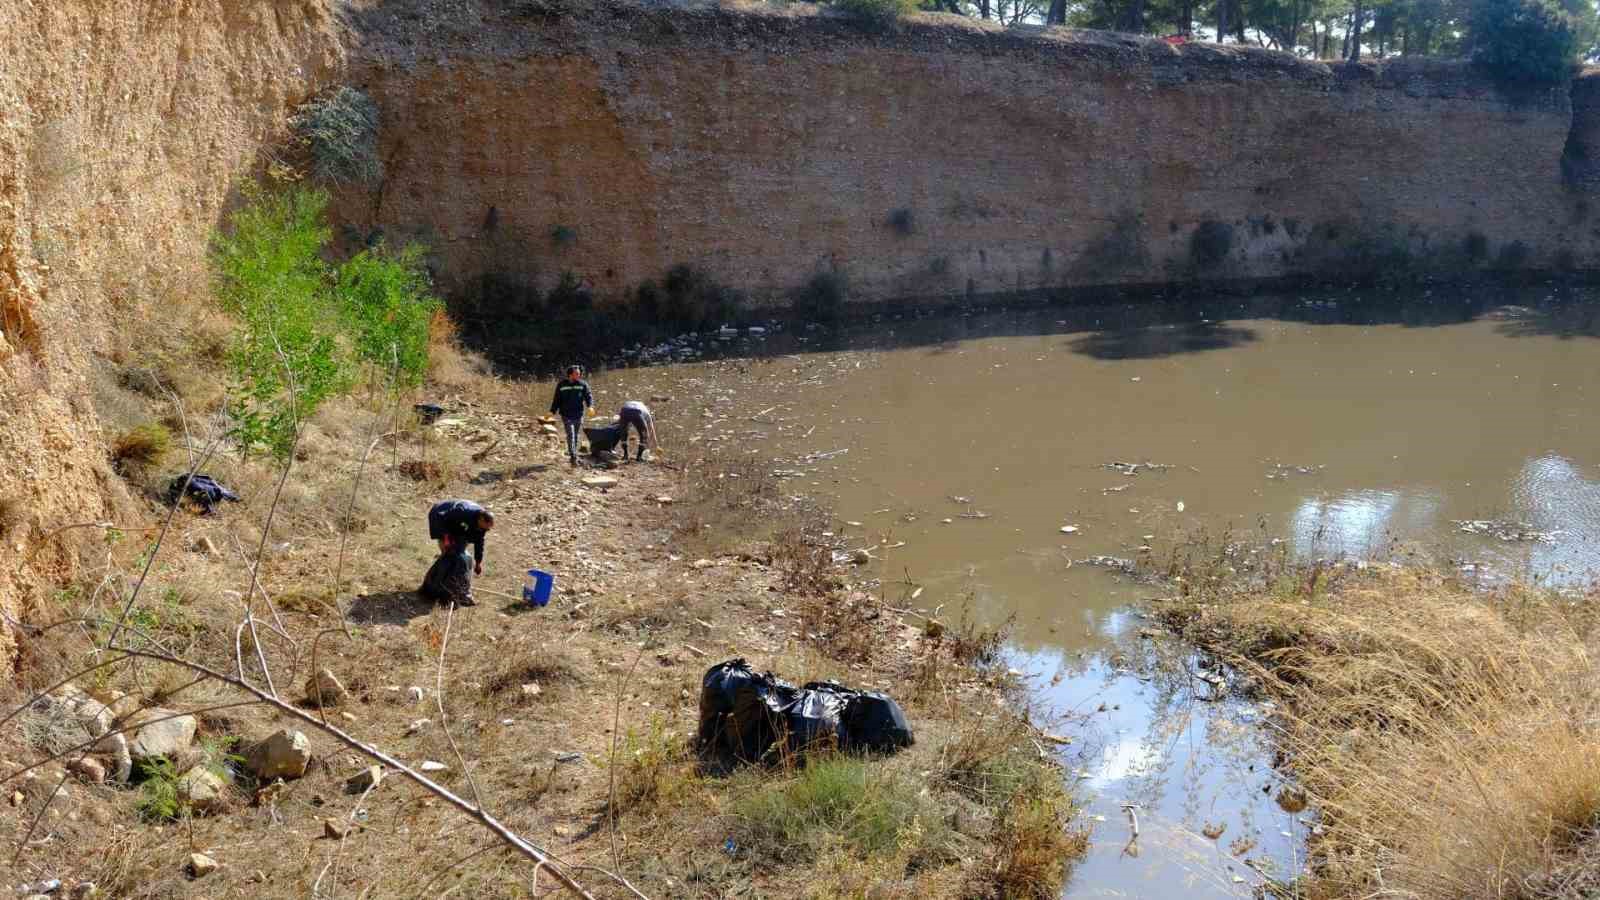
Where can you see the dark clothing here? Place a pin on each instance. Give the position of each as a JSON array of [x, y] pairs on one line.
[[459, 519], [572, 398], [603, 438], [573, 427], [202, 490], [449, 579], [637, 415]]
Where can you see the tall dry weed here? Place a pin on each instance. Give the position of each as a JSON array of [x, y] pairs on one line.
[[1449, 740]]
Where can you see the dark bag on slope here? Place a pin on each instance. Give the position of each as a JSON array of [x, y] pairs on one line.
[[745, 714]]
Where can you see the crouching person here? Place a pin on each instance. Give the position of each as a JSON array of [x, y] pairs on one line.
[[456, 525]]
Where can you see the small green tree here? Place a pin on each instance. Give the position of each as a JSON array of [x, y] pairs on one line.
[[1523, 40], [388, 301], [285, 357]]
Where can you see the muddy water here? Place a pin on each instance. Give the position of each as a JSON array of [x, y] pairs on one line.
[[958, 449]]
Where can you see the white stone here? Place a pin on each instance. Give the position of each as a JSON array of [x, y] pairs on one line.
[[201, 865], [201, 791]]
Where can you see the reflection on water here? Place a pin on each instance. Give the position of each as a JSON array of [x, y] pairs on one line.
[[1195, 771], [977, 467]]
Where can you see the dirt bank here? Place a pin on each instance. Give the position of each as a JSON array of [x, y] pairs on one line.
[[645, 602]]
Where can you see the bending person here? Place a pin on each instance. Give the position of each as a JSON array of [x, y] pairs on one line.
[[634, 413]]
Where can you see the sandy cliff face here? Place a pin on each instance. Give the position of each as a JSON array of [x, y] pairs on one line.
[[123, 126], [942, 159]]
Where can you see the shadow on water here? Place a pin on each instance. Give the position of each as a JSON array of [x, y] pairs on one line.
[[1179, 324], [1162, 340]]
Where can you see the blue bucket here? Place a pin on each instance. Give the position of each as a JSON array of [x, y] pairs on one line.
[[537, 590]]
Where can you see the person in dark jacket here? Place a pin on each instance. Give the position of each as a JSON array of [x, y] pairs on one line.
[[456, 525], [634, 413], [572, 399]]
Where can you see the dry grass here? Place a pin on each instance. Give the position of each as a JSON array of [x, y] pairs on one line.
[[1449, 739], [140, 446]]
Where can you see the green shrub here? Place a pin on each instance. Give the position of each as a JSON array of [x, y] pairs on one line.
[[688, 299], [1210, 243], [158, 790], [285, 357], [388, 303], [1527, 41], [822, 298], [341, 132], [854, 801]]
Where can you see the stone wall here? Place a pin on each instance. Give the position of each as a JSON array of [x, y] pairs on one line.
[[943, 159]]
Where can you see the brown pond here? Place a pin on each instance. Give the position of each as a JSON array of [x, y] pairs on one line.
[[1461, 426]]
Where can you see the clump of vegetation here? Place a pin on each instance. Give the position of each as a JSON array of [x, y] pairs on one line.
[[158, 790], [1034, 841], [1476, 246], [874, 15], [1210, 244], [838, 801], [1448, 736], [140, 446], [271, 276], [652, 767], [303, 324], [1523, 41], [390, 309], [561, 235], [340, 129], [1512, 256], [822, 297], [903, 221], [687, 299]]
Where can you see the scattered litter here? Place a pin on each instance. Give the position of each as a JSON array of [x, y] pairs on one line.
[[1069, 529], [429, 765], [1110, 562], [1114, 490]]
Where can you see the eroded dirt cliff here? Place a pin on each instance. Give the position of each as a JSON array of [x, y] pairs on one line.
[[124, 125], [942, 158]]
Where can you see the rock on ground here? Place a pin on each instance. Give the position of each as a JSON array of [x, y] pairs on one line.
[[285, 754], [324, 689], [364, 780], [88, 769], [201, 791], [201, 865], [166, 738]]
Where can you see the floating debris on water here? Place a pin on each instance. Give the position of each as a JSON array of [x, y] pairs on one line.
[[1132, 469], [1510, 532], [1284, 470]]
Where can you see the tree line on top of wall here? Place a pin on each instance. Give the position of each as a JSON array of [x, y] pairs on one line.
[[1520, 40]]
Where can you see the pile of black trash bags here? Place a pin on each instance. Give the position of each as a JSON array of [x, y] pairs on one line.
[[759, 717]]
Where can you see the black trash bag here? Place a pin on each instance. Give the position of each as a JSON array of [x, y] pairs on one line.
[[745, 714], [202, 490], [428, 413], [449, 579], [813, 717], [742, 712], [874, 722], [603, 438]]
